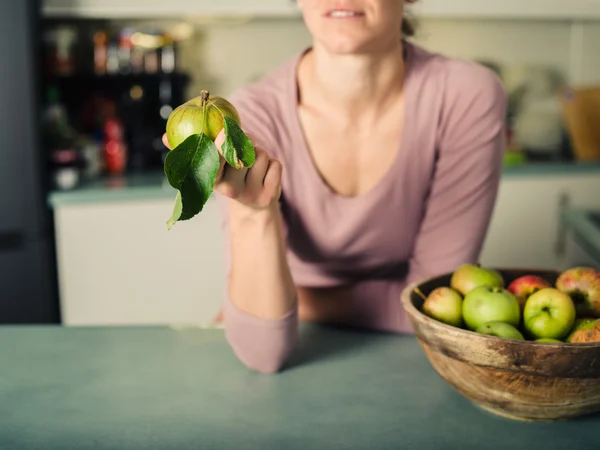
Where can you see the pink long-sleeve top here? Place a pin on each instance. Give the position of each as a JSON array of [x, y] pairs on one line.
[[428, 214]]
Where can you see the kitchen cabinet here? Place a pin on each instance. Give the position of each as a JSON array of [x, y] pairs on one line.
[[161, 8], [118, 264], [514, 9], [526, 228]]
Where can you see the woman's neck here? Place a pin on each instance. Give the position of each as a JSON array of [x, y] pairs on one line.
[[353, 83]]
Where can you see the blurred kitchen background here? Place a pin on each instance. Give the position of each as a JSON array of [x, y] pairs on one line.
[[87, 87]]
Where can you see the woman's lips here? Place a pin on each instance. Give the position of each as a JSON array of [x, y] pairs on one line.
[[343, 14]]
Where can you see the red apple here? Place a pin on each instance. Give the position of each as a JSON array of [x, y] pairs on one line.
[[582, 284], [526, 285]]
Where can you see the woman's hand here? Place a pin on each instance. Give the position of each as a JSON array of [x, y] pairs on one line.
[[257, 188]]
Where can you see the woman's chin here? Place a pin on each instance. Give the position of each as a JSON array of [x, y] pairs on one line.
[[347, 48], [351, 46]]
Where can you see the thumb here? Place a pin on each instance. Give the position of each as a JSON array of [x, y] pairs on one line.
[[219, 140], [166, 141]]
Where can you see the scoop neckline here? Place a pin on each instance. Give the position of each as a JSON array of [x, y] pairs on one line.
[[306, 155]]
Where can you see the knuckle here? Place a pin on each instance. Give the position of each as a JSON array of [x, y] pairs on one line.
[[262, 157], [274, 165], [277, 164], [228, 190], [266, 197]]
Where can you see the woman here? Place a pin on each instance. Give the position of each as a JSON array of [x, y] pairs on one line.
[[377, 165]]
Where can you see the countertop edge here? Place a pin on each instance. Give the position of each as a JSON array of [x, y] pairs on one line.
[[153, 186]]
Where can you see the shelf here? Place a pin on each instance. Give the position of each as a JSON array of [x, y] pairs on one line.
[[509, 9], [117, 77], [457, 9], [173, 9]]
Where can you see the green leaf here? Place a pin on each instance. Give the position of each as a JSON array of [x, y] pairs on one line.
[[177, 210], [192, 168], [237, 149]]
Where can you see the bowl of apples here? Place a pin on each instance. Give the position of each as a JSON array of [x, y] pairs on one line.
[[520, 343]]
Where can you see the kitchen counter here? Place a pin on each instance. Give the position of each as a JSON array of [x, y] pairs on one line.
[[155, 186], [140, 186], [161, 388]]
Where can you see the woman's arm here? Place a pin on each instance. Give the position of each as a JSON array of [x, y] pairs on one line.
[[372, 304], [260, 314], [464, 187]]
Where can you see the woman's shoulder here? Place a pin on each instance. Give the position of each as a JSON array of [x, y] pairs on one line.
[[460, 80], [270, 90], [266, 104], [466, 99]]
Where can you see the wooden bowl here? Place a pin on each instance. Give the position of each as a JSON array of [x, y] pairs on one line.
[[522, 380]]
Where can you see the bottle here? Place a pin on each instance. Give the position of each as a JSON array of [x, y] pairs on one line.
[[114, 146], [100, 52], [112, 58], [167, 55], [124, 53], [60, 142]]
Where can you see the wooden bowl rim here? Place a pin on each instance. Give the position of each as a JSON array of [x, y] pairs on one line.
[[412, 310]]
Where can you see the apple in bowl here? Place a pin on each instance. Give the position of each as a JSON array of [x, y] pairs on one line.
[[549, 313], [582, 284], [526, 285]]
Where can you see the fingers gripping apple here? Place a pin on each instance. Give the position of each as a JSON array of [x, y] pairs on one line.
[[193, 163]]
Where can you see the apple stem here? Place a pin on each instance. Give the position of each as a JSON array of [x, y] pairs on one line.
[[204, 115], [217, 108], [204, 95], [420, 293]]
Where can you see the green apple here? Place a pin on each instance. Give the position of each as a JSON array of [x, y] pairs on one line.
[[470, 276], [203, 114], [486, 304], [444, 304], [549, 340], [500, 329], [549, 313]]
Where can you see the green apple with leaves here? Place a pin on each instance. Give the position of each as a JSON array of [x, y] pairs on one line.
[[194, 161]]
